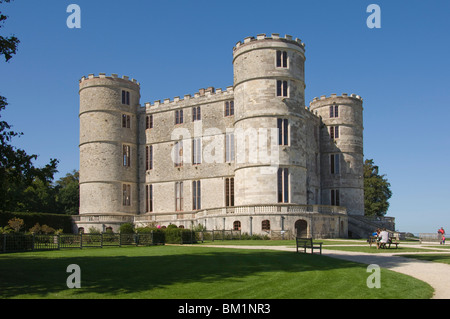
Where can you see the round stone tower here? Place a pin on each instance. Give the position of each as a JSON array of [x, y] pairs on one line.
[[342, 156], [269, 104], [108, 150]]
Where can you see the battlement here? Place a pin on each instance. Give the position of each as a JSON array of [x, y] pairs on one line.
[[274, 36], [202, 96], [333, 96], [104, 76]]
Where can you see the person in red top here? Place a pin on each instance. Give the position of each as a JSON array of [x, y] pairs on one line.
[[441, 232]]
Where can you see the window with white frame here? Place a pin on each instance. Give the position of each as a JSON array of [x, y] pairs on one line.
[[126, 195], [334, 132], [126, 121], [196, 115], [179, 196], [229, 192], [196, 195], [283, 185], [283, 131], [125, 97], [335, 197], [178, 116], [282, 88], [334, 110], [335, 164], [282, 59], [149, 198], [196, 151], [149, 157], [229, 108], [126, 155], [229, 147], [178, 156]]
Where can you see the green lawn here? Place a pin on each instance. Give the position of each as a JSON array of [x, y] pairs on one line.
[[431, 257], [193, 272]]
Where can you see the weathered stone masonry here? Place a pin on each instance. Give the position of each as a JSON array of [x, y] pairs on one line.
[[249, 157]]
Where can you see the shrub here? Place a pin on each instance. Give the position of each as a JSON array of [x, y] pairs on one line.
[[16, 224], [126, 228], [174, 235], [55, 221], [36, 229], [93, 230]]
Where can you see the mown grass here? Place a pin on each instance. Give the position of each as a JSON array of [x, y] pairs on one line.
[[441, 258], [193, 272]]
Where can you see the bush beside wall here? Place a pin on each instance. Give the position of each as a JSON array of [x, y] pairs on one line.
[[55, 221]]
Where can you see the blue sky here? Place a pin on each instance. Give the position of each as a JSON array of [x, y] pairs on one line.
[[174, 48]]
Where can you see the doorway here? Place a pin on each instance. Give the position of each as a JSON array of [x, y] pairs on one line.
[[301, 228]]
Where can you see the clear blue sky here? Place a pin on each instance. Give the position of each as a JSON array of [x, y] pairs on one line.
[[176, 47]]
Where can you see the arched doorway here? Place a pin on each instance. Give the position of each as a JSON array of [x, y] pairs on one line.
[[301, 228]]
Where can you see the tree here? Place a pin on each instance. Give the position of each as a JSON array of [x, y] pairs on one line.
[[68, 193], [17, 172], [376, 190], [8, 46]]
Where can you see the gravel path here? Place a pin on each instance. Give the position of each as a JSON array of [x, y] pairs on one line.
[[435, 274]]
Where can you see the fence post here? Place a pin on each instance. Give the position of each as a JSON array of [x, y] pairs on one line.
[[32, 242], [81, 240], [59, 239], [4, 243], [101, 240]]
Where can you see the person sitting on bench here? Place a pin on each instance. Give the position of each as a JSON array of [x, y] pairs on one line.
[[384, 239]]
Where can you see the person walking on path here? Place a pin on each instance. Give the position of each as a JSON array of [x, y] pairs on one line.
[[441, 233]]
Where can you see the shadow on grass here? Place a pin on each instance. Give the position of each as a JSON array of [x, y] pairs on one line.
[[119, 271]]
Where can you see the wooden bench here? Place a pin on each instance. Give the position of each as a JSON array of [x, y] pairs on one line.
[[389, 243], [393, 243], [307, 243]]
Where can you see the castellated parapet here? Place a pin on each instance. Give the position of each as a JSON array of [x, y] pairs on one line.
[[249, 157]]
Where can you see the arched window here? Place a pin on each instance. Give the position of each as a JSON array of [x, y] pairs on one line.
[[265, 225], [237, 225]]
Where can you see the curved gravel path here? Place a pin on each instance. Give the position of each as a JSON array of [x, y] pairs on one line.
[[435, 274]]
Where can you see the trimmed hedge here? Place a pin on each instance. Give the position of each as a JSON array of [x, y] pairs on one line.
[[55, 221], [170, 235]]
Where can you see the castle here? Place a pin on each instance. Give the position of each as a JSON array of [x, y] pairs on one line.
[[251, 157]]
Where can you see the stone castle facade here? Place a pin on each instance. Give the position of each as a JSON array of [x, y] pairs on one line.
[[251, 157]]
